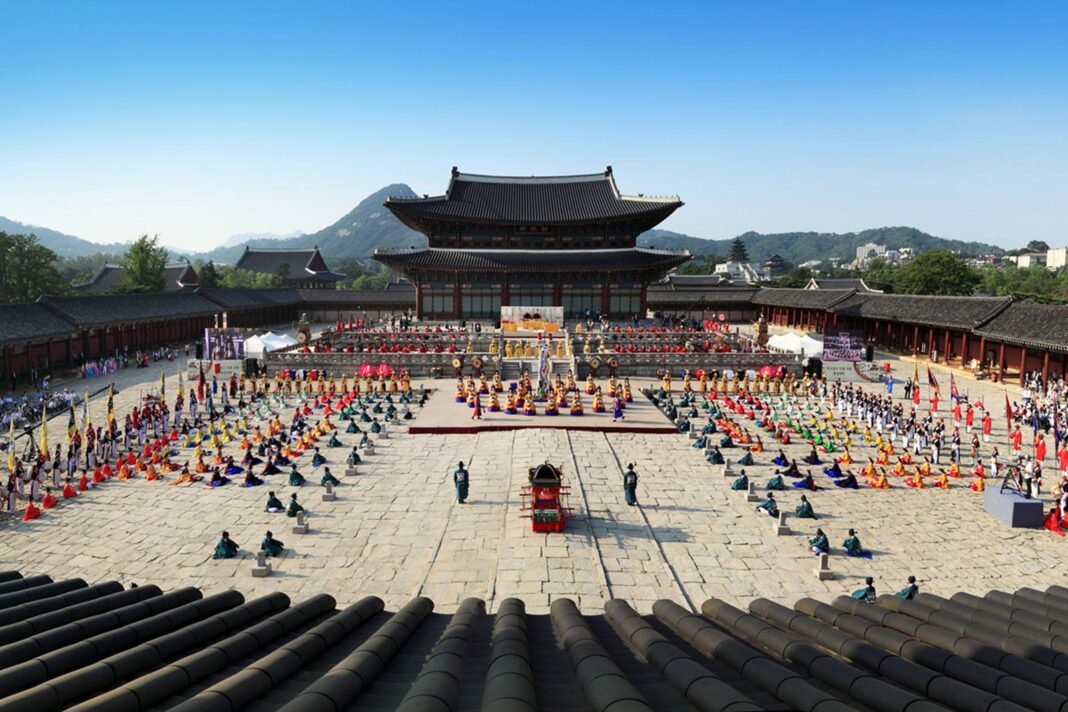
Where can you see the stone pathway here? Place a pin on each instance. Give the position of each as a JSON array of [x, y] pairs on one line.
[[396, 531]]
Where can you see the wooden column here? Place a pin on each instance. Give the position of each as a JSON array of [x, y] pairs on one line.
[[457, 300], [946, 349], [1023, 363], [506, 294], [1045, 366], [1001, 362], [964, 347]]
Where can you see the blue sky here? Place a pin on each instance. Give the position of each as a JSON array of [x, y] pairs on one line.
[[200, 120]]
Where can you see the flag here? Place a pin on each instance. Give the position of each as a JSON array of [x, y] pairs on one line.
[[11, 447], [931, 380], [162, 385], [953, 392], [71, 427], [200, 383], [916, 372], [44, 429], [181, 385], [111, 403], [85, 411]]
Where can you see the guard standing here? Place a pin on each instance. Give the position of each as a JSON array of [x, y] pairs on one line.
[[630, 485], [460, 479]]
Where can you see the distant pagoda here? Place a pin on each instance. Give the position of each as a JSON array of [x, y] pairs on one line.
[[539, 241]]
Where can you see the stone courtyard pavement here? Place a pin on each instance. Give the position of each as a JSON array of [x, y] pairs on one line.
[[396, 531]]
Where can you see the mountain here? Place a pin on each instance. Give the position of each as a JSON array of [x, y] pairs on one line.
[[367, 227], [61, 243], [798, 247], [258, 236]]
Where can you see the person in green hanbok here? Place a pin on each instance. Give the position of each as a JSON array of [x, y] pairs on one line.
[[271, 546], [354, 457], [804, 510], [226, 548], [328, 478], [853, 547], [819, 543], [866, 594], [776, 483], [769, 506], [910, 591], [741, 482], [352, 427], [333, 441], [274, 504], [317, 458], [295, 478], [294, 507], [715, 457], [746, 459]]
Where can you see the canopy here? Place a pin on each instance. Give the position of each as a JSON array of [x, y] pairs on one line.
[[257, 346], [796, 344]]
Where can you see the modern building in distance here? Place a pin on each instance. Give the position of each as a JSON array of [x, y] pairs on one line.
[[742, 272], [178, 276], [1056, 258], [303, 268], [565, 241]]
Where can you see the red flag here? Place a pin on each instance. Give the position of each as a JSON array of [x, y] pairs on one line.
[[953, 393], [200, 383], [931, 380], [915, 392]]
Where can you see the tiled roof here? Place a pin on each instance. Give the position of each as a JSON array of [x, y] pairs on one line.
[[695, 281], [800, 298], [1040, 326], [401, 295], [547, 200], [95, 310], [175, 276], [31, 322], [843, 283], [303, 264], [940, 311], [694, 297], [252, 297], [431, 258], [107, 276], [70, 645]]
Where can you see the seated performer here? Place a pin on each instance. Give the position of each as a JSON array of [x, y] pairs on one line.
[[910, 591], [853, 547], [776, 483], [271, 546], [746, 459], [741, 482], [849, 481], [866, 594], [295, 478], [769, 506], [879, 482], [353, 458], [226, 548], [834, 470], [804, 510], [701, 442], [294, 507], [494, 403], [48, 501], [916, 481], [333, 441], [328, 478], [715, 457], [793, 470], [978, 484], [509, 404], [274, 505], [780, 459], [317, 458], [806, 482], [812, 458], [217, 479], [819, 543], [68, 491], [251, 480]]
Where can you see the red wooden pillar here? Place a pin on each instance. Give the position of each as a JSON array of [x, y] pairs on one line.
[[964, 347], [506, 294], [946, 349], [982, 351], [1023, 363], [916, 338], [1045, 366], [1001, 362], [643, 306]]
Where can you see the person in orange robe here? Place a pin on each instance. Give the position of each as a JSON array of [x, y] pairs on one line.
[[48, 501], [150, 473], [916, 481], [32, 511], [124, 472], [977, 484]]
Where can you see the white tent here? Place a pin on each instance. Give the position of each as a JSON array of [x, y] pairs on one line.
[[796, 343], [257, 346]]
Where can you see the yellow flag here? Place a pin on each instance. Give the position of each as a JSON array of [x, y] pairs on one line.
[[111, 403], [44, 429], [162, 385], [11, 447], [181, 384]]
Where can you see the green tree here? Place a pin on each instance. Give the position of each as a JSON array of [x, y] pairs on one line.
[[738, 253], [936, 272], [209, 276], [27, 269], [1037, 246], [796, 278], [144, 266], [701, 264], [879, 274], [281, 275]]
